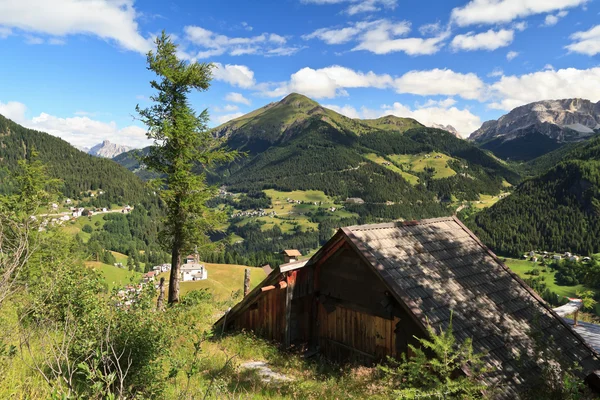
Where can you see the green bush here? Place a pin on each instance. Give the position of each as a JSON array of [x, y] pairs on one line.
[[87, 228]]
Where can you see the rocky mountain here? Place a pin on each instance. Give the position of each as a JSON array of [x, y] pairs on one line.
[[447, 128], [534, 129], [107, 149]]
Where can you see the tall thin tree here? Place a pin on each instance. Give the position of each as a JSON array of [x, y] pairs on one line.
[[183, 147]]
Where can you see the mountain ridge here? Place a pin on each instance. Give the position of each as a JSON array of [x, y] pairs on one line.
[[549, 123]]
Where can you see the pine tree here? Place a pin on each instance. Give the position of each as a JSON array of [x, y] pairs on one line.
[[182, 142], [130, 265]]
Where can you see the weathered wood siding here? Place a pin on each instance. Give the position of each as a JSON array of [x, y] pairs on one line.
[[267, 317], [346, 334]]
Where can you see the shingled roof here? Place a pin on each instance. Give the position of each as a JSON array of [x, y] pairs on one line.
[[437, 267]]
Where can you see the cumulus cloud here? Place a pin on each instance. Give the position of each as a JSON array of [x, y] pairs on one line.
[[235, 75], [432, 112], [511, 55], [237, 98], [513, 91], [503, 11], [333, 81], [490, 40], [13, 110], [108, 19], [329, 82], [358, 6], [221, 119], [441, 82], [80, 130], [212, 44], [383, 37], [552, 20], [586, 42]]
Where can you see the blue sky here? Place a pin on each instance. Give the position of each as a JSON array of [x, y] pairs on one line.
[[76, 68]]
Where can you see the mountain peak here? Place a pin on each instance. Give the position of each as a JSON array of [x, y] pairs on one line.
[[299, 99], [108, 150], [543, 125]]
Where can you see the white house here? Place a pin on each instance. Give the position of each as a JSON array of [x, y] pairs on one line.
[[193, 272], [557, 257], [573, 258]]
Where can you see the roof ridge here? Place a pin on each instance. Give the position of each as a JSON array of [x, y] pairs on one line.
[[395, 224]]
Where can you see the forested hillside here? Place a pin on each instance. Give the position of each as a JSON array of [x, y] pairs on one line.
[[557, 211], [79, 172]]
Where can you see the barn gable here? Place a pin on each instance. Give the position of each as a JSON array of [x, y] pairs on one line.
[[372, 288]]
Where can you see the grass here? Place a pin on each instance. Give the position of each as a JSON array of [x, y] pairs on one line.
[[412, 179], [418, 163], [290, 215], [75, 227], [115, 276], [521, 267], [485, 201], [223, 280]]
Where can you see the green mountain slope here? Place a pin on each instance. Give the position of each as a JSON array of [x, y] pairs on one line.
[[296, 144], [558, 210], [79, 172]]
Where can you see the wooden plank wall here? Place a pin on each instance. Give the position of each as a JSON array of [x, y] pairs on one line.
[[267, 319], [349, 334]]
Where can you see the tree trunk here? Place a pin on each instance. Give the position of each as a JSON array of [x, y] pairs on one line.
[[161, 295], [246, 282], [174, 277]]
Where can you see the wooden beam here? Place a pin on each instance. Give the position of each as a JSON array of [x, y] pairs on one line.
[[267, 288]]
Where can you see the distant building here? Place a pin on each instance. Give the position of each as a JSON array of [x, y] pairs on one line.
[[193, 272], [290, 255]]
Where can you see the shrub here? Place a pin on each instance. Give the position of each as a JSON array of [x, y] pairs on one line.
[[87, 228]]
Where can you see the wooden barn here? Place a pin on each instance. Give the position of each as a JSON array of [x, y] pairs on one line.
[[371, 289]]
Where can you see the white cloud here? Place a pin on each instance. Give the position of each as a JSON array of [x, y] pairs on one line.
[[496, 72], [108, 19], [5, 32], [441, 82], [511, 55], [13, 110], [383, 37], [328, 82], [79, 130], [358, 6], [520, 26], [346, 110], [503, 11], [586, 42], [333, 81], [552, 20], [84, 131], [444, 103], [227, 108], [237, 98], [213, 44], [386, 38], [490, 40], [221, 119], [514, 91], [430, 29], [235, 75], [431, 113]]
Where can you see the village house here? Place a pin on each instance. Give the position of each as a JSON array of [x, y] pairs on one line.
[[372, 290], [290, 255], [193, 272]]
